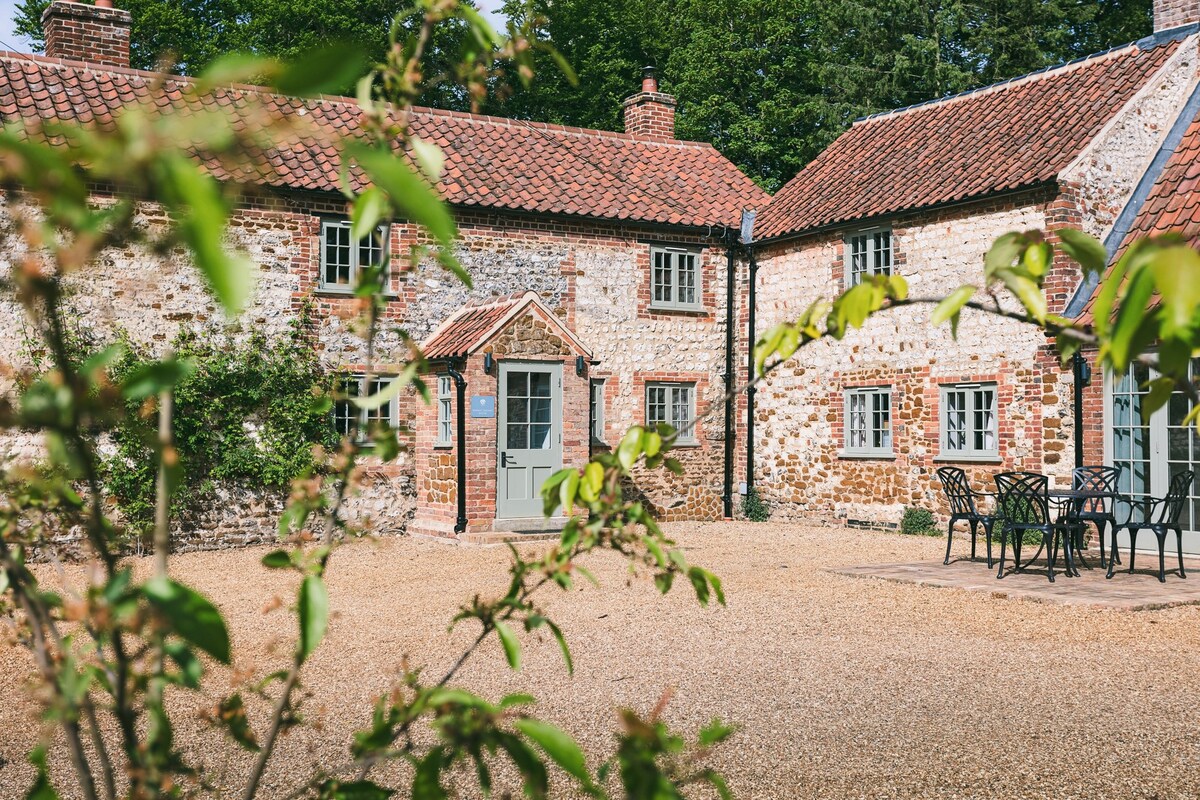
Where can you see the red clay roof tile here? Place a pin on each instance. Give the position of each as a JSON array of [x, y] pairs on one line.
[[1010, 136], [491, 162]]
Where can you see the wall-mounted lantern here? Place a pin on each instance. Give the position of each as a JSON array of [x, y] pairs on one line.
[[488, 361], [580, 366]]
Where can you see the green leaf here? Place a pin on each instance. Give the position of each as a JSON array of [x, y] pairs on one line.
[[332, 68], [314, 614], [512, 647], [950, 307], [407, 191], [277, 559], [1177, 277], [714, 732], [41, 789], [385, 395], [155, 377], [429, 158], [201, 214], [190, 668], [232, 712], [235, 68], [1131, 315], [353, 790], [536, 621], [1157, 397], [561, 748], [191, 617], [370, 208], [1028, 292], [1088, 252], [1006, 250], [629, 448], [567, 490]]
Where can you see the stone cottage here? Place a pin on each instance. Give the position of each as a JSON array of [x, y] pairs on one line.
[[604, 269], [854, 431]]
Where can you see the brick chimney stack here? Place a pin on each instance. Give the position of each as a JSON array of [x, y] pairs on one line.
[[79, 32], [1169, 14], [650, 114]]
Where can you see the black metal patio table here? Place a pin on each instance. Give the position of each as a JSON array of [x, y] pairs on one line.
[[1069, 501]]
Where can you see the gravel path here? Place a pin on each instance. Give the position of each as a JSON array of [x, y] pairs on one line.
[[844, 687]]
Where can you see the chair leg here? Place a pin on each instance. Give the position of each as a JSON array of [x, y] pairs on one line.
[[949, 539], [1069, 553], [1179, 552], [1051, 539], [1100, 526], [1133, 532], [1003, 548], [974, 535], [1161, 535], [1112, 553], [987, 533]]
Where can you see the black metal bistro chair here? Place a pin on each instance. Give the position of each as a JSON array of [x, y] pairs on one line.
[[1099, 511], [1023, 506], [963, 508], [1160, 515]]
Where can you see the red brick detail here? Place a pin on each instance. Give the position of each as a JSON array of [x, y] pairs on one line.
[[1002, 138], [79, 32], [650, 115], [491, 162]]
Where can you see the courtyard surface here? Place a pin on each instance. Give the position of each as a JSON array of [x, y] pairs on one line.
[[843, 686]]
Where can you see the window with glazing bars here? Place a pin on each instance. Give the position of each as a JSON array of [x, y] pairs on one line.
[[867, 253], [673, 404], [674, 278], [596, 411], [349, 419], [342, 259], [445, 419], [869, 421], [969, 426]]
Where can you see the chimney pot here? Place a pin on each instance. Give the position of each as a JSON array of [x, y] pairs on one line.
[[649, 79], [78, 32]]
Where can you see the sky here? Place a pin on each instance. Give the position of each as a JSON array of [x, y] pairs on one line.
[[11, 41]]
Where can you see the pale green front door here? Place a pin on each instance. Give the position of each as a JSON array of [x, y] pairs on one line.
[[529, 435]]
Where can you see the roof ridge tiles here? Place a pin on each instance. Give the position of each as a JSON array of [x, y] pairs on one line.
[[1027, 77], [487, 119]]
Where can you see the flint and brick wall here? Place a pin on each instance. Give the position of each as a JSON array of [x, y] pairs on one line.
[[592, 274]]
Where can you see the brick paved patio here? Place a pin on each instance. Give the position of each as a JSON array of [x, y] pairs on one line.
[[1140, 591]]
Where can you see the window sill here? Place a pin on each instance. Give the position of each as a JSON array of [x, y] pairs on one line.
[[696, 311], [852, 456], [328, 291], [444, 446], [954, 459]]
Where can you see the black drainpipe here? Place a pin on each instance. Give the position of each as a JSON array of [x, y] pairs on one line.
[[460, 418], [1082, 377], [730, 377], [750, 342]]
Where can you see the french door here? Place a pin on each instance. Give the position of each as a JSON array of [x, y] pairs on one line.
[[1150, 450]]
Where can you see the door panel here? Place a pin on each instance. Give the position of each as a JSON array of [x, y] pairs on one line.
[[529, 441]]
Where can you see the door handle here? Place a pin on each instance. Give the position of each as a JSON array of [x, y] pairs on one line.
[[503, 459]]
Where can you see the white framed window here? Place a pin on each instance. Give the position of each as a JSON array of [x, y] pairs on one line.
[[867, 253], [675, 278], [596, 411], [675, 405], [341, 259], [349, 419], [869, 421], [445, 414], [969, 421]]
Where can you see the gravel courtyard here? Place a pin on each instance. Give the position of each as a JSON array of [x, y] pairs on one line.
[[843, 687]]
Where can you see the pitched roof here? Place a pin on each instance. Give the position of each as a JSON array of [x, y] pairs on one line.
[[1013, 135], [473, 326], [491, 162]]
